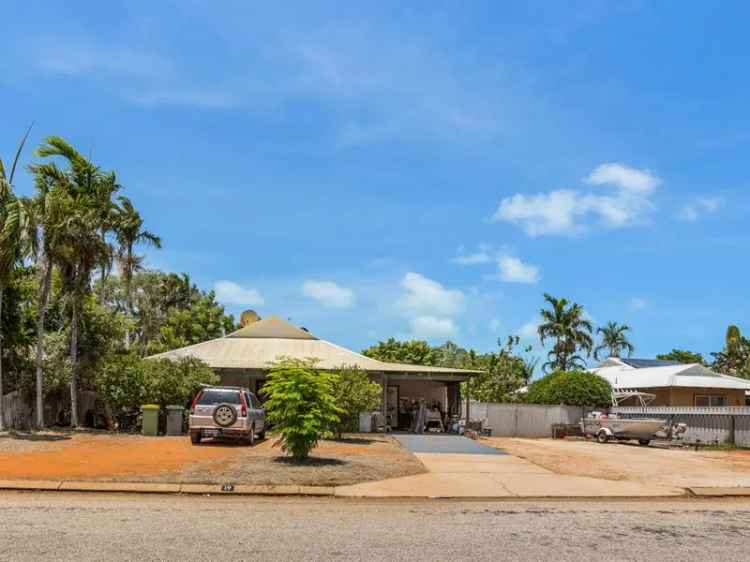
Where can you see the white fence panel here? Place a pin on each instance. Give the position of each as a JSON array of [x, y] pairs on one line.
[[522, 420]]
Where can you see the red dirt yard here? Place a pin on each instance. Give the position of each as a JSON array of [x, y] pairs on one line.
[[106, 457]]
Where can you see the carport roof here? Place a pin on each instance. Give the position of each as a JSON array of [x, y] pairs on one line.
[[259, 345]]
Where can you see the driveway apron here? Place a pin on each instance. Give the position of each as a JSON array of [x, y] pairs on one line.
[[450, 444]]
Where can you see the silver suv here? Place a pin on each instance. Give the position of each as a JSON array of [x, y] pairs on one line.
[[226, 411]]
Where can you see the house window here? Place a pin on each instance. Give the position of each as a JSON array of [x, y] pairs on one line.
[[710, 400]]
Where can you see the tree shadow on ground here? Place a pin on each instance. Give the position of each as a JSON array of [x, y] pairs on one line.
[[354, 440], [31, 436], [229, 442], [310, 461]]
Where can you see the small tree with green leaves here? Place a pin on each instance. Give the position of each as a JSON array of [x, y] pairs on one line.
[[354, 393], [572, 388], [682, 356], [300, 401]]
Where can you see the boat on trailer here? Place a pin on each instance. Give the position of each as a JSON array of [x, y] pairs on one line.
[[605, 426]]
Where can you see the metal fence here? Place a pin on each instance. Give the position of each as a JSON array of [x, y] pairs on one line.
[[720, 425], [522, 420]]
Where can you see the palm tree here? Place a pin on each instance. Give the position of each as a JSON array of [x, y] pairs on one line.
[[106, 190], [571, 332], [12, 241], [45, 217], [128, 233], [77, 223], [614, 340]]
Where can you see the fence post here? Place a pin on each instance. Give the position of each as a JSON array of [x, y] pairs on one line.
[[731, 429]]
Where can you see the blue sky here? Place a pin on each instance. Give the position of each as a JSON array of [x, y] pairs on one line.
[[415, 169]]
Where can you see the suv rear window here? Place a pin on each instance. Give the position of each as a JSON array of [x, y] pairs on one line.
[[213, 397]]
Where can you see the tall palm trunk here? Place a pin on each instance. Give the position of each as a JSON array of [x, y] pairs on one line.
[[105, 273], [43, 297], [74, 364], [129, 306], [2, 424]]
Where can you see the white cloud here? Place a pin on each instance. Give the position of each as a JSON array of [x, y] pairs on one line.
[[691, 212], [494, 325], [545, 213], [529, 331], [569, 212], [433, 327], [230, 293], [624, 177], [424, 296], [513, 270], [141, 76], [328, 293], [429, 306], [480, 257], [637, 303]]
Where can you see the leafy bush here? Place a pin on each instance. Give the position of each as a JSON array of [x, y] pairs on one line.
[[126, 381], [572, 388], [354, 393], [301, 402]]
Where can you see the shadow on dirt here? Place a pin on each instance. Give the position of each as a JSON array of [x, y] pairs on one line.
[[354, 440], [310, 461], [228, 442], [31, 436]]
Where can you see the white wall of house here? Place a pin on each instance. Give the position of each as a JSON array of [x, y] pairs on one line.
[[428, 390]]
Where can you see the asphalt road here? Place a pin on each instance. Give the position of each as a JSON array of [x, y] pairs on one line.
[[61, 526]]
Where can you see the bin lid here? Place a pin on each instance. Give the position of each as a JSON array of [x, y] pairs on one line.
[[175, 407], [150, 407]]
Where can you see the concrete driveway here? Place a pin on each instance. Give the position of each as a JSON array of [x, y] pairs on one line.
[[491, 474], [439, 443]]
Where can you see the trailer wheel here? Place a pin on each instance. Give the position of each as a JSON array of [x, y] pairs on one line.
[[602, 437], [644, 442]]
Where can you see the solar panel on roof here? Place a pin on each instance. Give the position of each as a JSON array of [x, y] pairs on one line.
[[645, 363]]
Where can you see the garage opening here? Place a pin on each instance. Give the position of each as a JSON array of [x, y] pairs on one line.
[[412, 405]]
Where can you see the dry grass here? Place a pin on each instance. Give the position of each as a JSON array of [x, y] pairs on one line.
[[625, 461], [108, 457]]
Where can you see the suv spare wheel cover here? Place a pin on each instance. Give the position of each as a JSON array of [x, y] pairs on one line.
[[225, 415]]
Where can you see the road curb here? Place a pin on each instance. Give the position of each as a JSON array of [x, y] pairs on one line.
[[317, 491], [166, 488], [719, 492]]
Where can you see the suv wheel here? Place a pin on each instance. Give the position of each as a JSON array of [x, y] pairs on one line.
[[225, 415], [195, 438], [250, 439]]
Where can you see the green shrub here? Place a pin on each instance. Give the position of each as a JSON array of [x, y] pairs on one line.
[[127, 381], [354, 393], [300, 401], [572, 388]]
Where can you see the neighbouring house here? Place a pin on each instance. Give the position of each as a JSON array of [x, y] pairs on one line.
[[674, 384], [244, 357]]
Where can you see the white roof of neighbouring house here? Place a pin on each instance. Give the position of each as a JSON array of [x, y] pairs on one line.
[[262, 343], [648, 373]]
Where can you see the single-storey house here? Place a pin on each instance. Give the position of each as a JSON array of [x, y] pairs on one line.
[[674, 384], [244, 358]]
